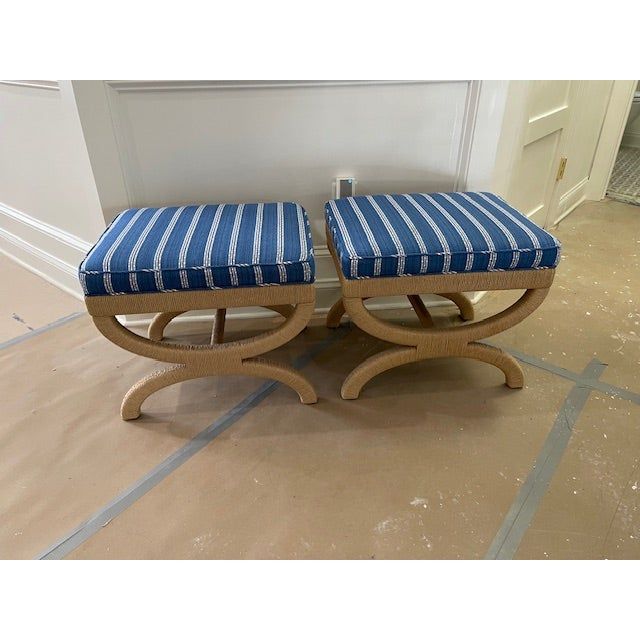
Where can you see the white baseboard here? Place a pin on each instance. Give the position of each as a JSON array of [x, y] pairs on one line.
[[631, 140], [49, 252], [40, 266], [571, 199]]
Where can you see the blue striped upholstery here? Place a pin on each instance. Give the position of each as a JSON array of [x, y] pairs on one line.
[[213, 246], [419, 233]]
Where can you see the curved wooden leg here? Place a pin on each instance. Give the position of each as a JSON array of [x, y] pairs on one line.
[[258, 367], [283, 373], [514, 377], [217, 333], [160, 322], [335, 314], [421, 311], [285, 310], [197, 361], [462, 302], [433, 342], [141, 390], [375, 365], [459, 299], [385, 360]]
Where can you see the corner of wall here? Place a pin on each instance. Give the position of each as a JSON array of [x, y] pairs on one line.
[[45, 234]]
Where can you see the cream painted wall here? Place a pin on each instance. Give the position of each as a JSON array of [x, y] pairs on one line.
[[49, 208]]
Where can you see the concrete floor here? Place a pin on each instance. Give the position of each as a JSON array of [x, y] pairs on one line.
[[435, 460]]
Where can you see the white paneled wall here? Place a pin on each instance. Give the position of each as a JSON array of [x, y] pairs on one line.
[[74, 154], [241, 143], [176, 142]]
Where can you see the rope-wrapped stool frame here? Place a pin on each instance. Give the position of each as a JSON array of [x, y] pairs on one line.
[[430, 341], [295, 302]]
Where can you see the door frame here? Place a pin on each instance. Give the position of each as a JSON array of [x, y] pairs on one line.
[[615, 120]]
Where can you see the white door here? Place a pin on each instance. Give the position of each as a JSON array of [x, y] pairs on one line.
[[534, 183]]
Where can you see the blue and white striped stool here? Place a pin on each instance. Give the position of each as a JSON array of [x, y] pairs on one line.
[[170, 260], [438, 243]]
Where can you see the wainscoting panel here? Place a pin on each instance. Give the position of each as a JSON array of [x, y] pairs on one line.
[[240, 141], [249, 141], [51, 253], [229, 142]]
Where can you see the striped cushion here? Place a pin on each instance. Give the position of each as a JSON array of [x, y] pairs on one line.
[[419, 233], [212, 246]]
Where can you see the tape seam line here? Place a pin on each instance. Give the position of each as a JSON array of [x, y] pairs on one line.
[[597, 385], [40, 330], [132, 494], [94, 523], [523, 509], [604, 387]]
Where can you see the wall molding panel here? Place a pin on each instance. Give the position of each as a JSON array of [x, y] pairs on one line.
[[134, 164], [48, 230], [171, 142], [206, 85], [571, 199], [51, 85], [442, 114], [49, 207], [50, 252]]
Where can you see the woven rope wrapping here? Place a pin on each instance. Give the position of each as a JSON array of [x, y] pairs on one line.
[[430, 341], [194, 361], [171, 260]]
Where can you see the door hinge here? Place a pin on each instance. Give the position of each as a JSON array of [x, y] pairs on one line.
[[561, 168]]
